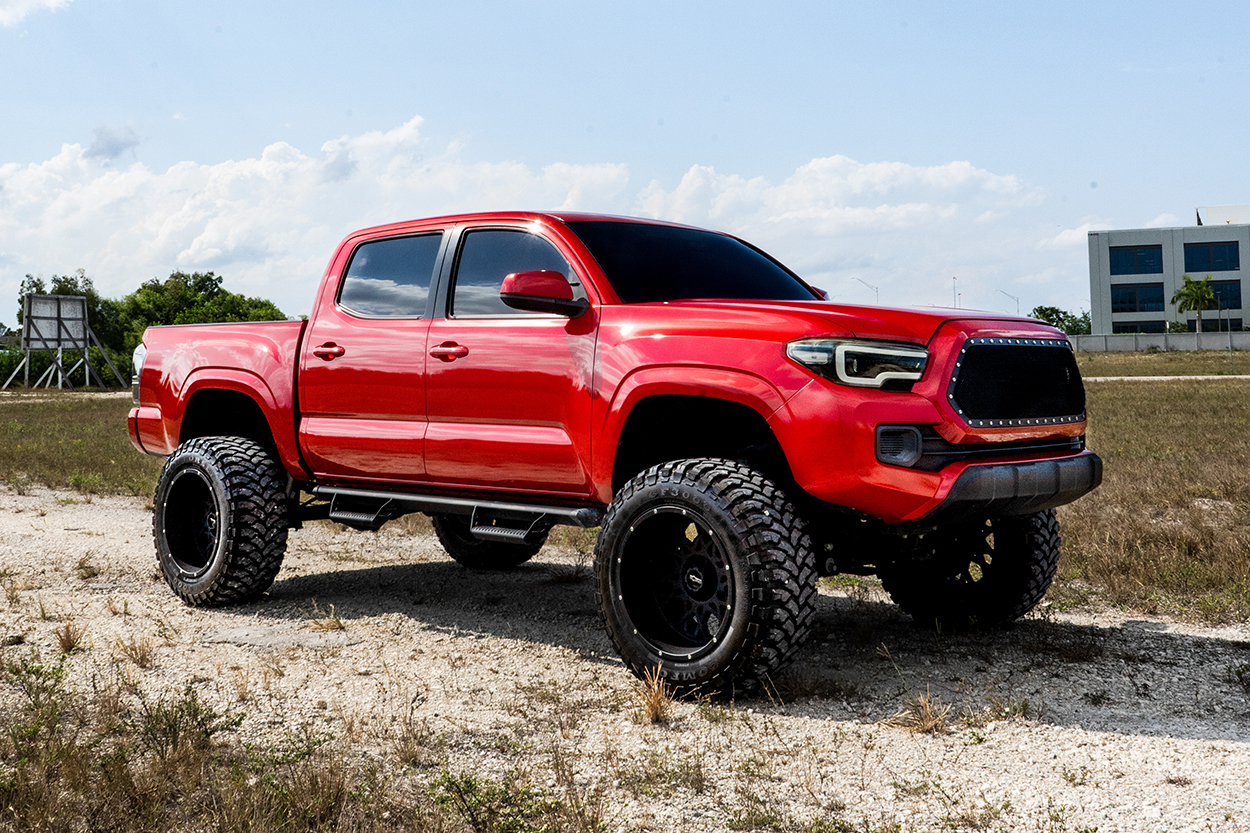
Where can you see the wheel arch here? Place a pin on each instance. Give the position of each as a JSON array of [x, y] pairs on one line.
[[241, 407], [670, 424]]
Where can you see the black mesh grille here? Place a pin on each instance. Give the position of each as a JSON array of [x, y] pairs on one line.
[[1017, 381]]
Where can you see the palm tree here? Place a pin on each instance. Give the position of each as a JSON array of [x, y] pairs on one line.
[[1196, 296]]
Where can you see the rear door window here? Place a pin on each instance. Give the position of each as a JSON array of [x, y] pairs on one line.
[[391, 278]]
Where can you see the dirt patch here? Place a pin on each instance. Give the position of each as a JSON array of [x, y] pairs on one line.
[[1064, 722]]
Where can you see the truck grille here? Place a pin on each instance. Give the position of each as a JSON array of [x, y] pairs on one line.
[[1017, 381]]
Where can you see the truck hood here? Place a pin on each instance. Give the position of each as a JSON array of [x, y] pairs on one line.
[[913, 324]]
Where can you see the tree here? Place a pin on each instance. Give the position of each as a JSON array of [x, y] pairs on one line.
[[1072, 324], [1194, 296]]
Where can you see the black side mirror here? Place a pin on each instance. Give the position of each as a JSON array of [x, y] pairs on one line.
[[541, 291]]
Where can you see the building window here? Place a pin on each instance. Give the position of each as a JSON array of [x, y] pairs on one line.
[[1137, 297], [1227, 294], [1137, 260], [1216, 325], [1138, 327], [1212, 257]]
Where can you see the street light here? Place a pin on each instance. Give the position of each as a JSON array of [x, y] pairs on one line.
[[873, 288], [954, 294], [1014, 298]]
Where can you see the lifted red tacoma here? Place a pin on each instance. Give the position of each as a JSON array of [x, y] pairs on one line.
[[732, 433]]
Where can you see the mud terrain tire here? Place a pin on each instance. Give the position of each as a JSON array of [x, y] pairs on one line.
[[220, 520], [978, 575], [703, 570]]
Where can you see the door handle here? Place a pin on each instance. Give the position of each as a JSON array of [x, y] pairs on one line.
[[449, 351], [329, 351]]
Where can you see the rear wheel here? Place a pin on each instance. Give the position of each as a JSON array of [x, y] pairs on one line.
[[220, 520], [703, 571], [476, 554], [979, 574]]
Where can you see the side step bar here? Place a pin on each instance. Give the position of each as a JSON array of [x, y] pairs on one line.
[[488, 520]]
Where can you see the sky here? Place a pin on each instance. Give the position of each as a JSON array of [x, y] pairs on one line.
[[901, 153]]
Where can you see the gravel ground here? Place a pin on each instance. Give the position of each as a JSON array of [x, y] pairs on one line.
[[1067, 721]]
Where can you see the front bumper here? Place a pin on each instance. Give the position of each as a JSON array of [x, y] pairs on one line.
[[1018, 488]]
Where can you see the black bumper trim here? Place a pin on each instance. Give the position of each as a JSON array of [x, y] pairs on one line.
[[1018, 488]]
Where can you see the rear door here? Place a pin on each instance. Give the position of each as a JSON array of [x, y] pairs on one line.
[[508, 391], [362, 372]]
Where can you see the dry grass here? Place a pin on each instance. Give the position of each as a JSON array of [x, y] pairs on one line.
[[923, 714], [69, 637], [138, 649], [1173, 363], [324, 620], [1167, 531], [655, 698], [68, 441]]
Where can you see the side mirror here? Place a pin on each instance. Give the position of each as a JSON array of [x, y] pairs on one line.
[[541, 291]]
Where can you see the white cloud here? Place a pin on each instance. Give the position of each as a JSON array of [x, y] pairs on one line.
[[1164, 221], [1072, 237], [269, 224], [13, 12]]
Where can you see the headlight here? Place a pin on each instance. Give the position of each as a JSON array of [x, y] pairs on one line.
[[140, 354], [862, 364]]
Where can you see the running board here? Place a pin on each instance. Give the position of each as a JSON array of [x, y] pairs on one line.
[[488, 520]]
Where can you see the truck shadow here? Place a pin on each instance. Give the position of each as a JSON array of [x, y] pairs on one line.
[[865, 661]]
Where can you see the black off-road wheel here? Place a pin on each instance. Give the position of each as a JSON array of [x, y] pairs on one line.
[[476, 554], [980, 574], [703, 571], [220, 520]]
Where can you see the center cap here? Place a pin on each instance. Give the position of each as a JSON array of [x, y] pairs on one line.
[[694, 580]]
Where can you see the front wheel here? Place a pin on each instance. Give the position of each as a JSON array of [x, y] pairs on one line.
[[979, 574], [704, 573], [220, 520]]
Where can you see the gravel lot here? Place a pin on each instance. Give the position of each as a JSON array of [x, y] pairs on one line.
[[1073, 721]]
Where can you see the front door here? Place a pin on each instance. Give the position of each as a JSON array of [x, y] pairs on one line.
[[508, 392]]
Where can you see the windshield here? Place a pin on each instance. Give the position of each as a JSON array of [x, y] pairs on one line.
[[661, 263]]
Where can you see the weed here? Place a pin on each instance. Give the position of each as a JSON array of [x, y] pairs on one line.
[[1240, 674], [910, 789], [976, 817], [12, 592], [662, 772], [139, 650], [45, 613], [414, 742], [1178, 780], [1076, 777], [922, 713], [89, 484], [655, 698], [19, 484], [85, 569], [712, 711], [512, 804], [113, 608], [167, 727], [755, 813], [324, 620], [69, 636]]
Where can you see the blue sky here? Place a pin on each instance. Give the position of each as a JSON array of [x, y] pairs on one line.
[[898, 144]]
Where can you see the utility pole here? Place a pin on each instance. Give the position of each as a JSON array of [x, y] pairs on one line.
[[954, 293], [1014, 298], [873, 288]]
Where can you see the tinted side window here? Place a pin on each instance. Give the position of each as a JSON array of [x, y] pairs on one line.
[[489, 255], [391, 277]]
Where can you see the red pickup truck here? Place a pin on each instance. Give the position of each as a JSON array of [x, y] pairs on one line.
[[733, 434]]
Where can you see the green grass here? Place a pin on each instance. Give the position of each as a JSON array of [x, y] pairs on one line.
[[71, 441], [1173, 363]]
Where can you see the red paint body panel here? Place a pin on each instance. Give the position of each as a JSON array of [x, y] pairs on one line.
[[535, 405]]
